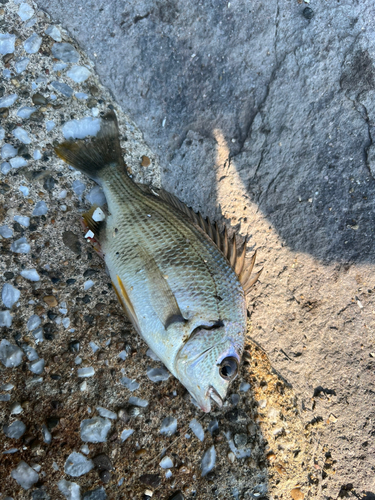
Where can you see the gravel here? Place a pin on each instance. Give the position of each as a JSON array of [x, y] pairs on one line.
[[95, 430], [10, 295], [208, 460], [24, 475], [15, 430], [10, 354], [70, 490], [77, 465]]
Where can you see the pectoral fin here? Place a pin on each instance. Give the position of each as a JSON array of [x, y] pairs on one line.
[[124, 300], [161, 296]]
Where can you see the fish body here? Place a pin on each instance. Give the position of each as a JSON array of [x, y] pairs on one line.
[[173, 281]]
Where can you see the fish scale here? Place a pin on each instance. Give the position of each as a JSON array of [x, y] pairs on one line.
[[175, 284]]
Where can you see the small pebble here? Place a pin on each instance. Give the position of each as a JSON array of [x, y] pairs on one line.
[[132, 385], [6, 232], [9, 295], [197, 428], [168, 426], [10, 354], [8, 151], [89, 283], [166, 463], [54, 33], [103, 412], [158, 374], [24, 475], [65, 52], [20, 246], [125, 434], [24, 190], [26, 111], [71, 491], [8, 100], [50, 300], [63, 88], [95, 430], [77, 464], [15, 430], [78, 74], [30, 274], [208, 461], [32, 44], [18, 162], [23, 220], [40, 209], [7, 42], [80, 129], [25, 11], [133, 400], [86, 372]]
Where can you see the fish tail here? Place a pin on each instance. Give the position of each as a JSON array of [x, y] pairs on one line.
[[92, 157]]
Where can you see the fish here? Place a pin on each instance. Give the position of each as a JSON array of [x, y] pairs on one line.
[[179, 278]]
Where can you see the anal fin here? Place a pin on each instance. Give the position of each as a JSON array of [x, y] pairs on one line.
[[125, 302]]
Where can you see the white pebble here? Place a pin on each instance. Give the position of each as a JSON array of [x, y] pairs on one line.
[[65, 322], [30, 274], [95, 430], [133, 400], [62, 194], [70, 490], [16, 409], [24, 190], [208, 460], [98, 215], [96, 196], [5, 319], [40, 208], [78, 187], [32, 44], [94, 347], [8, 100], [197, 428], [2, 133], [78, 360], [38, 335], [50, 125], [78, 74], [7, 43], [89, 283], [21, 64], [130, 384], [123, 355], [25, 11], [6, 232], [54, 33], [168, 474], [20, 246], [4, 397], [63, 309], [81, 95], [9, 295], [6, 387], [30, 352], [166, 463], [22, 135], [168, 426], [244, 387], [95, 111], [37, 366], [5, 168], [8, 151], [83, 386], [18, 162], [89, 234], [23, 220], [37, 154], [213, 426], [88, 371], [158, 374], [33, 322], [80, 129], [47, 436], [85, 449], [30, 22], [65, 51], [26, 111], [76, 464], [14, 430], [126, 433], [59, 66], [103, 412], [24, 475]]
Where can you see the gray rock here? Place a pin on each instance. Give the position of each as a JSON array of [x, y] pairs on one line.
[[14, 430], [63, 88], [32, 44], [65, 51], [10, 354], [98, 494], [24, 475], [77, 464], [95, 430]]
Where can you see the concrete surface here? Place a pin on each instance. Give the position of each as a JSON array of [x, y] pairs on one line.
[[263, 113]]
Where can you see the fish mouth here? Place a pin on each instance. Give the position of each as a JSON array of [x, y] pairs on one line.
[[215, 396]]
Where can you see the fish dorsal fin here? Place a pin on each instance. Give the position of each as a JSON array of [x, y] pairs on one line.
[[228, 247], [161, 296]]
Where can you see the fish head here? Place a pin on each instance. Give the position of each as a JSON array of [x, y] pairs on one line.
[[208, 363]]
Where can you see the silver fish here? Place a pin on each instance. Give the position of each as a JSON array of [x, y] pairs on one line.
[[180, 280]]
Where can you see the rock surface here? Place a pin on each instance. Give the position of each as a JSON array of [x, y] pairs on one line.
[[258, 112]]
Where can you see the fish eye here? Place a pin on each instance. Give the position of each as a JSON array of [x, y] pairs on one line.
[[228, 368]]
